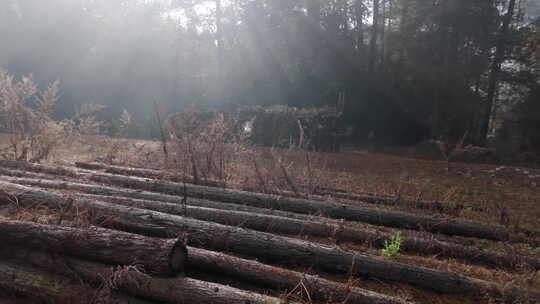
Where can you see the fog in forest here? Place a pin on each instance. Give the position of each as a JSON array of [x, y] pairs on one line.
[[405, 70]]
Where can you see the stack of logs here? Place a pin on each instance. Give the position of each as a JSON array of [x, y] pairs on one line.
[[136, 256]]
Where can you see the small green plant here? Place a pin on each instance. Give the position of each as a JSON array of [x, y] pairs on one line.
[[392, 246]]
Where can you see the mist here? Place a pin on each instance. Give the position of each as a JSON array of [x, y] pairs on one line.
[[123, 54], [396, 73]]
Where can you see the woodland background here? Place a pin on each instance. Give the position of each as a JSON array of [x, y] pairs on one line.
[[402, 70]]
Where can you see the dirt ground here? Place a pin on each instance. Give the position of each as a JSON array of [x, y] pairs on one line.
[[511, 195]]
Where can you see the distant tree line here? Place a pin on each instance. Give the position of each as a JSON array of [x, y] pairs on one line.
[[406, 69]]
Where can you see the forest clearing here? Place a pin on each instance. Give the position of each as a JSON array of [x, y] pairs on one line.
[[270, 151], [463, 236]]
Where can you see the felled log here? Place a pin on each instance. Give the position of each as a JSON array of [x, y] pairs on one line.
[[323, 191], [136, 283], [44, 182], [283, 279], [26, 166], [267, 246], [146, 173], [268, 277], [335, 210], [42, 287], [373, 238], [391, 201], [157, 256], [276, 224]]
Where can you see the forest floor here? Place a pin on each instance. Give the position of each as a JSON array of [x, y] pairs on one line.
[[513, 191], [505, 195]]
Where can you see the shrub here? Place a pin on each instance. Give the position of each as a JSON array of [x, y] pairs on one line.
[[25, 114], [392, 246], [204, 145], [289, 127]]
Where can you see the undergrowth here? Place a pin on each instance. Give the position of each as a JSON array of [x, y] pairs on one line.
[[26, 115], [392, 247]]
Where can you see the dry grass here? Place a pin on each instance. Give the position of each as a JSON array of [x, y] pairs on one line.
[[510, 194], [211, 150]]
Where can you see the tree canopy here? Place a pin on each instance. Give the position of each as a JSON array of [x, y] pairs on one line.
[[406, 69]]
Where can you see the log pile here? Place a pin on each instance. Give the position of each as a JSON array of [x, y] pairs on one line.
[[321, 191], [156, 239], [50, 271], [375, 216]]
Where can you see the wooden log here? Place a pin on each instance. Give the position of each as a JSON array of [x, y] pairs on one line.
[[26, 166], [169, 290], [157, 256], [264, 245], [44, 182], [393, 201], [322, 191], [28, 174], [335, 210], [283, 279], [375, 198], [276, 224], [42, 287], [410, 244], [147, 173], [336, 193], [330, 209], [268, 277]]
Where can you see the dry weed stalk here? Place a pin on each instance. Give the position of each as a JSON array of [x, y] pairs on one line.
[[25, 114], [205, 149], [449, 151], [34, 136], [279, 170], [118, 143]]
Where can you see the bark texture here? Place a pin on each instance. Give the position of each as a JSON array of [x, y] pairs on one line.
[[37, 285], [280, 223], [43, 181], [364, 197], [157, 256], [169, 290], [391, 201], [283, 225], [147, 173], [335, 210], [279, 279], [330, 209], [267, 246]]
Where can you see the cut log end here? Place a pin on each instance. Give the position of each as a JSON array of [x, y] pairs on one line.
[[178, 258]]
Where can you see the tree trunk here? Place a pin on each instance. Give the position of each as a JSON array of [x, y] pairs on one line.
[[359, 15], [384, 18], [169, 290], [277, 279], [42, 287], [335, 210], [42, 181], [264, 245], [157, 256], [282, 279], [368, 198], [329, 209], [276, 224], [402, 48], [268, 220], [220, 56], [496, 70], [26, 166], [373, 41], [146, 173]]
